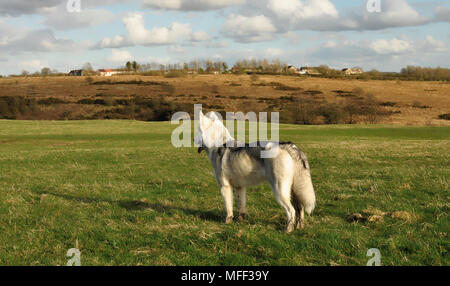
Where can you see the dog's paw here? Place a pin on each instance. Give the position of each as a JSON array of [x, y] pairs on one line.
[[290, 228], [229, 220], [300, 225], [242, 217]]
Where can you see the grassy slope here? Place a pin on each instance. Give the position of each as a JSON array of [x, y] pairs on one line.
[[130, 198]]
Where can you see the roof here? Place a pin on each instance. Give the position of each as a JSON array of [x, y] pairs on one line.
[[110, 70]]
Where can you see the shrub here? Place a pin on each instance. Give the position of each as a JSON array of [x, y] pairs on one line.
[[254, 77], [333, 114], [445, 116], [51, 101], [89, 80], [417, 104], [388, 104], [358, 91], [175, 74]]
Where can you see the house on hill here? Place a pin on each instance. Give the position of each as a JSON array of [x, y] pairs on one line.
[[110, 72], [75, 73], [293, 69], [309, 70], [352, 71]]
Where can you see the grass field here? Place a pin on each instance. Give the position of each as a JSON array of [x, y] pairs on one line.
[[128, 197]]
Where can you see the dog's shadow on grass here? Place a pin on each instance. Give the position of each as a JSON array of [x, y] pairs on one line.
[[136, 205]]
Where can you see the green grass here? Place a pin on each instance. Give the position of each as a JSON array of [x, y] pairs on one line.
[[130, 198]]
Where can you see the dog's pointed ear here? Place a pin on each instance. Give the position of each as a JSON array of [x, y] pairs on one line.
[[213, 116], [201, 118]]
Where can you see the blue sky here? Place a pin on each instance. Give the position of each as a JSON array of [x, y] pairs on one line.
[[107, 33]]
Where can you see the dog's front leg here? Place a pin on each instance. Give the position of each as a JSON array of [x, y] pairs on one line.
[[227, 194]]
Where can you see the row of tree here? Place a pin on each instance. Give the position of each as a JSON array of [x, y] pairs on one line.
[[200, 66], [262, 66], [421, 73]]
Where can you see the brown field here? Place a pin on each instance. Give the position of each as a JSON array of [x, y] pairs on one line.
[[409, 103]]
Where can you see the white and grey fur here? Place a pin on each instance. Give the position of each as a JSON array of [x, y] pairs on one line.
[[288, 172]]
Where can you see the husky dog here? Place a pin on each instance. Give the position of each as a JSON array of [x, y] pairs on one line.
[[287, 172]]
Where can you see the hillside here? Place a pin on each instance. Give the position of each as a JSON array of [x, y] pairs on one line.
[[156, 98]]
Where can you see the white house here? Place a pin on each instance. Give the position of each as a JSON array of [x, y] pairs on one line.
[[352, 71], [293, 69], [110, 72]]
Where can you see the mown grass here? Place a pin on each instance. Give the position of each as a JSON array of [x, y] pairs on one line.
[[128, 197]]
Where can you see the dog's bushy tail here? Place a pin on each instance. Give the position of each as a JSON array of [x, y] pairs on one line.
[[302, 187]]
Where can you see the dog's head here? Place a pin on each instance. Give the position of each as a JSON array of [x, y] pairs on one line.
[[211, 132]]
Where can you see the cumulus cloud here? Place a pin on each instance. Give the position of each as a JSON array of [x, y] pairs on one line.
[[384, 54], [442, 13], [199, 36], [394, 13], [21, 7], [295, 10], [42, 40], [393, 46], [190, 5], [9, 33], [119, 56], [307, 15], [33, 65], [322, 15], [216, 44], [175, 49], [139, 35], [249, 29], [60, 19], [431, 45]]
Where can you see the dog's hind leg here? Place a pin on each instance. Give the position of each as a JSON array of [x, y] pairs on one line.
[[240, 192], [227, 194], [300, 217], [282, 192], [299, 211]]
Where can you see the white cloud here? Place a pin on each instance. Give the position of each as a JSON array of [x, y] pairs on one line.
[[32, 65], [322, 15], [249, 29], [10, 33], [175, 49], [389, 54], [115, 42], [273, 52], [40, 41], [393, 46], [139, 35], [296, 10], [431, 45], [21, 7], [190, 5], [394, 13], [217, 44], [60, 19], [442, 13], [120, 56], [199, 36]]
